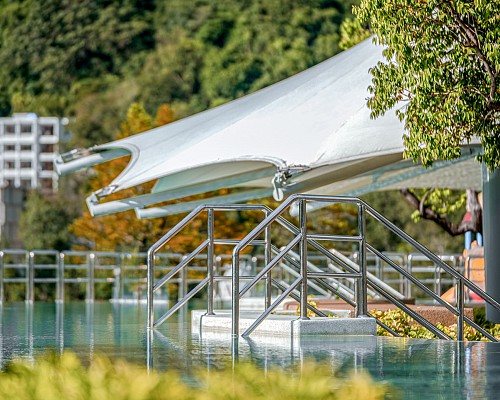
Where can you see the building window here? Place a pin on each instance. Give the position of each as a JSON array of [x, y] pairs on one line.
[[10, 182], [25, 164], [47, 130], [26, 147], [26, 183], [9, 164], [47, 148], [10, 129], [25, 129], [9, 147], [47, 166]]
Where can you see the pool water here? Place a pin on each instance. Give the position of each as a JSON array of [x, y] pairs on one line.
[[435, 369]]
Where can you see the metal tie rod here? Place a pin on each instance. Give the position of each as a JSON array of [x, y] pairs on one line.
[[276, 303], [180, 303]]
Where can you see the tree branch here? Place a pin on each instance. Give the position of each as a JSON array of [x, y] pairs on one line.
[[470, 35], [474, 224]]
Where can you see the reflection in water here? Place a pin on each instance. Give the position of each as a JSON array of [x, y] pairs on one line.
[[438, 369]]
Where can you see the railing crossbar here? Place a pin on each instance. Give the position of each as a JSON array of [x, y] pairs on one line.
[[293, 294], [422, 321], [296, 274], [480, 329]]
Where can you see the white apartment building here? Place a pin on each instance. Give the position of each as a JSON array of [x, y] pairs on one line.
[[28, 147]]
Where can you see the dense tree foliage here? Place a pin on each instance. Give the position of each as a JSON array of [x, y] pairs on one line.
[[463, 64], [49, 50], [44, 224], [90, 60], [443, 67]]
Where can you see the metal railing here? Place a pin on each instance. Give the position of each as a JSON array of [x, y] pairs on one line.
[[432, 274], [124, 272], [302, 239], [209, 245], [120, 270]]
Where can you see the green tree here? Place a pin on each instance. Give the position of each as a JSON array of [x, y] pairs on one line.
[[48, 47], [352, 32], [44, 223], [442, 69], [209, 53]]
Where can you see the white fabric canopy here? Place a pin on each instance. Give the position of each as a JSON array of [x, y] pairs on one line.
[[309, 131]]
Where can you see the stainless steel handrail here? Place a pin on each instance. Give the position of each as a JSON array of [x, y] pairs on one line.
[[364, 280], [302, 239], [462, 281], [208, 243]]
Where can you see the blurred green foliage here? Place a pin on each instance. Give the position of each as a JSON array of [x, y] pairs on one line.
[[63, 377], [44, 224]]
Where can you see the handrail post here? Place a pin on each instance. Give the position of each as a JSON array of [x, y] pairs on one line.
[[303, 258], [406, 281], [235, 295], [60, 278], [121, 285], [182, 289], [2, 296], [267, 260], [210, 262], [362, 282], [30, 284], [150, 278], [460, 309], [91, 278]]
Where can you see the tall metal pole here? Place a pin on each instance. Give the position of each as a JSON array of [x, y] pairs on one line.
[[30, 286], [2, 297], [267, 260], [361, 289], [235, 296], [460, 308], [91, 278], [151, 281], [210, 262], [303, 258], [491, 230], [60, 278]]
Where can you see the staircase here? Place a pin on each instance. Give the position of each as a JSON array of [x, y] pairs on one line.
[[344, 278]]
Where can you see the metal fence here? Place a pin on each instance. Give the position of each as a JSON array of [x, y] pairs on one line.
[[124, 274]]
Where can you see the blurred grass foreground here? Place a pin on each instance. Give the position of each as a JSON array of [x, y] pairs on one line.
[[64, 377]]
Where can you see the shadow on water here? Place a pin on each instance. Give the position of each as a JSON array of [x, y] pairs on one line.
[[438, 369]]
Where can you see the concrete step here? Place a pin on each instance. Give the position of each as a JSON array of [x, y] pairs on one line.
[[284, 325]]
